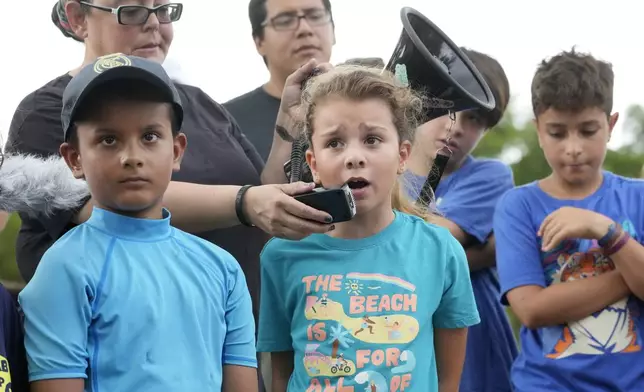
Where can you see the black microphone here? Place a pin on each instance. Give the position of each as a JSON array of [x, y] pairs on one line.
[[297, 157], [296, 168], [432, 180]]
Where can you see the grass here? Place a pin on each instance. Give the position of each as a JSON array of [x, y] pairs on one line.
[[8, 267], [515, 324]]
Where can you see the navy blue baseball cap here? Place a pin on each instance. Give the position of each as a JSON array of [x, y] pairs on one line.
[[113, 67]]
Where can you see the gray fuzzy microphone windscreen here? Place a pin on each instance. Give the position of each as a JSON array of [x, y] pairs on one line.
[[39, 186]]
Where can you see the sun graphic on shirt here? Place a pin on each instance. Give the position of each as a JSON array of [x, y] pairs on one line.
[[353, 287]]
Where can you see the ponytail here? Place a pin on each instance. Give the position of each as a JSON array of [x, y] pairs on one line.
[[402, 203]]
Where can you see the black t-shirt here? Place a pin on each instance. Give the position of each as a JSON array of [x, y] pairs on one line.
[[256, 112], [217, 154]]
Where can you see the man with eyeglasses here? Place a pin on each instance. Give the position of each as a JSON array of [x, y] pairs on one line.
[[287, 34]]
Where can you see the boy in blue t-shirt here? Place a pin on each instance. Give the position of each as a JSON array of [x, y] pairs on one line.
[[569, 246], [467, 196], [125, 302]]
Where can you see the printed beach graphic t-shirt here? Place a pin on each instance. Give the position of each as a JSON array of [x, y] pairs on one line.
[[601, 352], [360, 314]]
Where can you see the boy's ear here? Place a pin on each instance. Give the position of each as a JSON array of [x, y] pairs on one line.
[[180, 144], [73, 159], [612, 121]]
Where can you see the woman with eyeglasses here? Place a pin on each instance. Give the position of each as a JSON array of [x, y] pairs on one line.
[[218, 186]]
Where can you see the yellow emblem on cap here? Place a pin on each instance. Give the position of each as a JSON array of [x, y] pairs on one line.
[[111, 61]]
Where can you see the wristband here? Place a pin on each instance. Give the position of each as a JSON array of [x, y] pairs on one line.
[[616, 247], [616, 237], [609, 236], [239, 206]]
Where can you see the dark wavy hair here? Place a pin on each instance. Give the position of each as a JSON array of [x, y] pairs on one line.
[[572, 81]]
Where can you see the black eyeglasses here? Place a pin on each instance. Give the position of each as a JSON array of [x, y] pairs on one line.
[[291, 20], [138, 14]]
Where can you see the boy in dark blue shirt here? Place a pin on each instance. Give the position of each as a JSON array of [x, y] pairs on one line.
[[569, 246], [125, 302], [467, 196], [13, 363]]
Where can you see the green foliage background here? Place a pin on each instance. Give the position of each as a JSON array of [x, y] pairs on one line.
[[8, 268], [509, 136]]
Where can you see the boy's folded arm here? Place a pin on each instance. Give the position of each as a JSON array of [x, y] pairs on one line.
[[59, 385], [524, 279], [537, 307], [453, 228], [239, 379], [481, 256], [281, 370], [629, 261], [467, 214]]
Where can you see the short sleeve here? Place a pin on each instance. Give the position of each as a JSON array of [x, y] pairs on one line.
[[239, 345], [457, 308], [274, 324], [57, 310], [470, 203], [638, 207], [518, 259]]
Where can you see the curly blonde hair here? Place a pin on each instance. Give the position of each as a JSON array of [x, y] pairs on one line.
[[358, 83]]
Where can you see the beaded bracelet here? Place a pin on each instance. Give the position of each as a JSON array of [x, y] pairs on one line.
[[617, 246], [609, 236], [616, 236]]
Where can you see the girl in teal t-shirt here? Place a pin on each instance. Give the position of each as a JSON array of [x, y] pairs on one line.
[[382, 302]]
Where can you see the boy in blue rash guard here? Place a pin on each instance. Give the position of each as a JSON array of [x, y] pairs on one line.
[[382, 302], [569, 246], [125, 302], [466, 196]]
